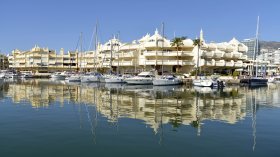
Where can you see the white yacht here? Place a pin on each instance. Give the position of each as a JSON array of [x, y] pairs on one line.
[[91, 77], [203, 82], [114, 79], [73, 78], [141, 79], [167, 80], [12, 75], [26, 74], [58, 75]]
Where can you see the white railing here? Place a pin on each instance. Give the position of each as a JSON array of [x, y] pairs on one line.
[[220, 63], [228, 55], [218, 54], [244, 57], [123, 63], [207, 54], [168, 62], [236, 55], [230, 64], [238, 64], [168, 53]]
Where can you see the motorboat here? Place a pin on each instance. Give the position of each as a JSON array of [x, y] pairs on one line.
[[203, 82], [142, 78], [91, 77], [58, 75], [73, 78], [167, 80], [114, 79], [26, 74]]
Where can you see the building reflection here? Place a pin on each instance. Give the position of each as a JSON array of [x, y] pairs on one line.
[[175, 105]]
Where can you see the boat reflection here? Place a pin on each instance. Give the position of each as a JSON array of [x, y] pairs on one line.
[[175, 105]]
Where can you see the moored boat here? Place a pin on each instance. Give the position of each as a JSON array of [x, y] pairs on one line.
[[143, 78], [167, 80]]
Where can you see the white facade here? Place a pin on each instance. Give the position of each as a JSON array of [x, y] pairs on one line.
[[151, 52]]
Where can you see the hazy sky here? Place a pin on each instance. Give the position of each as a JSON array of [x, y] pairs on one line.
[[58, 23]]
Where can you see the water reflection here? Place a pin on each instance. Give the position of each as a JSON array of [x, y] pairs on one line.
[[176, 105], [156, 107]]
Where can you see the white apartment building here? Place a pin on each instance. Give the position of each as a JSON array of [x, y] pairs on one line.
[[151, 52]]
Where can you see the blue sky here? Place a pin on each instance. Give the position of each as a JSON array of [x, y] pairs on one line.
[[58, 23]]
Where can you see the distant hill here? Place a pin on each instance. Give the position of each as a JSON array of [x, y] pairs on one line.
[[269, 45]]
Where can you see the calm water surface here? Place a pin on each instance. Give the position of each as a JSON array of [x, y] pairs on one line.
[[54, 118]]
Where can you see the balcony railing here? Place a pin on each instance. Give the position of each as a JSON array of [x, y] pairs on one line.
[[207, 54], [168, 62], [123, 63], [236, 55], [218, 54], [220, 63], [230, 64], [168, 53], [238, 64], [228, 55]]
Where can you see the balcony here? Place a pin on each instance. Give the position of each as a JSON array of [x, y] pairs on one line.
[[168, 53], [123, 63], [210, 63], [218, 54], [125, 55], [244, 57], [168, 62], [207, 63], [228, 55], [236, 55], [230, 63], [207, 54], [238, 64], [220, 63]]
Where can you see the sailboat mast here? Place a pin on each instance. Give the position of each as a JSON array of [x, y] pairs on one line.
[[95, 44], [256, 46], [111, 55], [81, 51], [118, 39], [162, 44]]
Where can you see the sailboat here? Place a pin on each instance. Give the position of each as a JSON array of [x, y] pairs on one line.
[[255, 80], [76, 77], [166, 79], [202, 81], [112, 78], [93, 76]]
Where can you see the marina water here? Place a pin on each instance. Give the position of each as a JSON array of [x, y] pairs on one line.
[[55, 118]]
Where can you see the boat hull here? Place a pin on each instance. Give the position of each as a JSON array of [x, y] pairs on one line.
[[139, 81], [89, 79], [114, 80], [166, 82], [202, 83]]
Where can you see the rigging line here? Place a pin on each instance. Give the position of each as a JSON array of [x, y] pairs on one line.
[[90, 122], [78, 43], [91, 40]]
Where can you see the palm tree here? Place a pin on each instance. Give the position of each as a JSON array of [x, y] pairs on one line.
[[197, 42], [177, 42]]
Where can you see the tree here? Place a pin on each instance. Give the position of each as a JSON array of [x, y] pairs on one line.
[[198, 43], [177, 42]]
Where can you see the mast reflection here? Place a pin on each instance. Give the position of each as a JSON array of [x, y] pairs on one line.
[[175, 105]]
